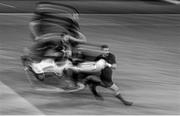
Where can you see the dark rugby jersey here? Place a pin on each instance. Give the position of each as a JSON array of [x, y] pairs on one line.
[[110, 58]]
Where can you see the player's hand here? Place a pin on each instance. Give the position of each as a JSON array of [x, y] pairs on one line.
[[66, 38], [109, 65], [113, 66]]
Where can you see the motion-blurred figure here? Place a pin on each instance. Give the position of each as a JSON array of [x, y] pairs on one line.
[[54, 27], [56, 33], [51, 19], [47, 55], [106, 75]]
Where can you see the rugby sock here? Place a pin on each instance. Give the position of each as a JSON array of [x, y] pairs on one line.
[[115, 88]]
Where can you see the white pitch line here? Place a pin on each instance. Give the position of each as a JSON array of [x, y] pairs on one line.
[[7, 5], [173, 1], [12, 103]]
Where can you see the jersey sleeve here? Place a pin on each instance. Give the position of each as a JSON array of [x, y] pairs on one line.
[[97, 58]]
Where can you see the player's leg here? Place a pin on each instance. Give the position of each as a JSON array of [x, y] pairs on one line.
[[92, 87], [106, 77], [92, 81]]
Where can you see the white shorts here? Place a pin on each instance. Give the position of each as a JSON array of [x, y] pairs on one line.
[[49, 65]]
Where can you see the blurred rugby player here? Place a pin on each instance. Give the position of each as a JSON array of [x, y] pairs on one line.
[[106, 74]]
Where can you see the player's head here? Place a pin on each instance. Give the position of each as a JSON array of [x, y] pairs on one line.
[[75, 16], [105, 49]]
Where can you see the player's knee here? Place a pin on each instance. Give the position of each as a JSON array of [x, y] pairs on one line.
[[108, 84], [93, 78]]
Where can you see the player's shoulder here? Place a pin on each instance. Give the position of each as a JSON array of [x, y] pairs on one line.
[[111, 54]]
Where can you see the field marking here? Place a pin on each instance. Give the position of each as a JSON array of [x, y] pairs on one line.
[[7, 5], [12, 103], [173, 1]]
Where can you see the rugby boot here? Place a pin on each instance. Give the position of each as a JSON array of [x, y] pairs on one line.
[[127, 103]]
